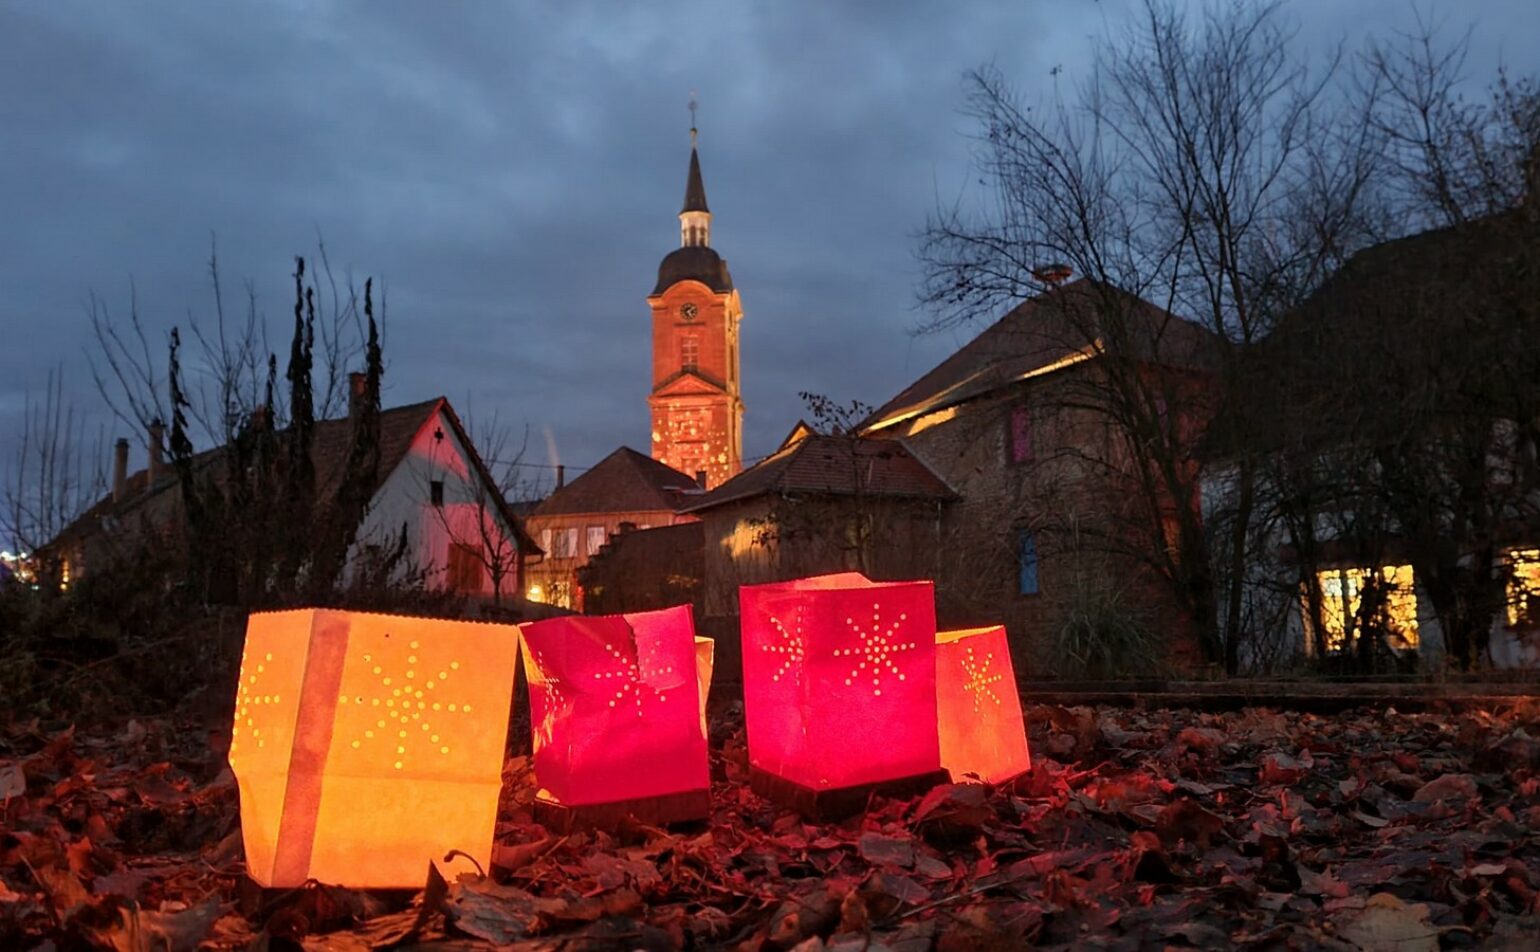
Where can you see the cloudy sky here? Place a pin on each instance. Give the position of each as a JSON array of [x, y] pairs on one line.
[[512, 173]]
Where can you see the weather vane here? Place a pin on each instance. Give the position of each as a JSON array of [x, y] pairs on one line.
[[694, 105]]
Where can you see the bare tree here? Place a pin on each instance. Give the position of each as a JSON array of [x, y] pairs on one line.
[[1200, 169], [52, 478]]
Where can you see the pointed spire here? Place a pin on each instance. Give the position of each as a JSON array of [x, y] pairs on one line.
[[695, 217], [695, 189]]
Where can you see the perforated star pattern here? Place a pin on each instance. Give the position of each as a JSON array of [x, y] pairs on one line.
[[553, 695], [979, 678], [407, 702], [877, 651], [631, 675], [249, 696], [792, 648]]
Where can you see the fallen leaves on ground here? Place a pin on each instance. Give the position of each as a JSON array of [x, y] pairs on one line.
[[1135, 829]]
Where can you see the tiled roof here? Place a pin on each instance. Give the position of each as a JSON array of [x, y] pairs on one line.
[[837, 465], [329, 453], [624, 481], [1042, 334], [1388, 318]]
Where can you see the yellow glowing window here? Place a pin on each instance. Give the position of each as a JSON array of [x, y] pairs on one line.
[[1524, 588], [1343, 609]]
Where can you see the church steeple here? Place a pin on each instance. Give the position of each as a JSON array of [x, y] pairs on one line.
[[695, 217], [696, 401]]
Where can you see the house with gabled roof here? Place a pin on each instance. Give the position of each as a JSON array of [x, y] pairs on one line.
[[1391, 436], [624, 491], [1053, 523], [434, 506], [822, 503]]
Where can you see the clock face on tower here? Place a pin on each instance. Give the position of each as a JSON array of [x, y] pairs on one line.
[[687, 311]]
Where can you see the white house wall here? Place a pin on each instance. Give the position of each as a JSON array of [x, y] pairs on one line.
[[404, 498]]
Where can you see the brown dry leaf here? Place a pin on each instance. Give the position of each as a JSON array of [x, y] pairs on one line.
[[1279, 768], [953, 811], [13, 780], [1386, 924], [1185, 819], [880, 850], [1449, 786]]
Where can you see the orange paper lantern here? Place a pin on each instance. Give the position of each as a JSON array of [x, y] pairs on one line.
[[839, 680], [617, 705], [978, 708], [366, 745]]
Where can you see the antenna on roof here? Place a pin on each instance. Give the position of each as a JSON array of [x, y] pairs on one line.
[[694, 105]]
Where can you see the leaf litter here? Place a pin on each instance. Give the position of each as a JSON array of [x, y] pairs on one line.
[[1135, 829]]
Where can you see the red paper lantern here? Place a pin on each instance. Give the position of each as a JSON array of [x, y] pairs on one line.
[[978, 707], [616, 703], [839, 680], [366, 745]]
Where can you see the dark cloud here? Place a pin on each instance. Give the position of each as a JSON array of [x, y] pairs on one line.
[[512, 172]]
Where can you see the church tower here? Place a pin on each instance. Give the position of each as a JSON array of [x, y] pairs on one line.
[[697, 409]]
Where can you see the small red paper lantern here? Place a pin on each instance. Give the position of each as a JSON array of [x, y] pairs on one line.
[[978, 708], [839, 680], [617, 705], [365, 745]]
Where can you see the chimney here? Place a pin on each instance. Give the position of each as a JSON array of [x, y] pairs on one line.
[[157, 442], [1053, 274], [700, 478], [120, 470], [358, 383], [561, 475]]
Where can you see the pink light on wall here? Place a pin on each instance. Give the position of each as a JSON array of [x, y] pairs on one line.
[[978, 707], [840, 679], [617, 706]]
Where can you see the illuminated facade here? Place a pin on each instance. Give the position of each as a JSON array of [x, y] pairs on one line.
[[696, 402]]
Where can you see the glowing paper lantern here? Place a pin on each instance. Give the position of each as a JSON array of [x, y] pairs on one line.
[[366, 745], [617, 706], [839, 681], [978, 709]]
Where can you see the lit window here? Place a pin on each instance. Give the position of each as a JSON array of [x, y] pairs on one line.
[[596, 539], [689, 351], [1343, 608], [1524, 588], [1026, 562]]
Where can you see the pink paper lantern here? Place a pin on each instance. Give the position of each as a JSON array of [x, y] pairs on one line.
[[978, 707], [839, 680], [616, 704]]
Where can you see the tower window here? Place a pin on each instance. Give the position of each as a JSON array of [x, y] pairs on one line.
[[436, 492], [689, 351]]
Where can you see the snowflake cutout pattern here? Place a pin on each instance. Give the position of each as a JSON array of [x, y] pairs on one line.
[[792, 648], [408, 705], [877, 651], [552, 684], [630, 674], [979, 678], [248, 696]]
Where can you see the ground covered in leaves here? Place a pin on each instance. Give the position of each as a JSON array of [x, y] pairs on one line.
[[1135, 829]]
